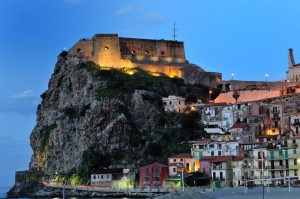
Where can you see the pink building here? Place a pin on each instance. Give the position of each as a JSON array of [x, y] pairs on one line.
[[205, 165], [153, 175]]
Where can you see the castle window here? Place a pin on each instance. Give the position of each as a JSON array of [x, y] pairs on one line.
[[162, 53], [132, 51], [79, 50], [146, 52], [106, 47]]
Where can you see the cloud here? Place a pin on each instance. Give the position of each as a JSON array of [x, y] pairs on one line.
[[125, 10], [24, 103], [23, 94]]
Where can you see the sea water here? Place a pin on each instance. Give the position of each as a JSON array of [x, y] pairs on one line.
[[3, 191]]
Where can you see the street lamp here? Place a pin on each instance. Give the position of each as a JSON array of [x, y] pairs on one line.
[[232, 74], [182, 181], [210, 92], [266, 75]]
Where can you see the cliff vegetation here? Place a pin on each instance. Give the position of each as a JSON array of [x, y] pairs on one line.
[[95, 117]]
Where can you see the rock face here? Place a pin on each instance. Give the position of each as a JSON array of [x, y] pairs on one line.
[[73, 116]]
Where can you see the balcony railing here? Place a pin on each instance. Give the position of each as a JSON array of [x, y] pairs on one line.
[[296, 124]]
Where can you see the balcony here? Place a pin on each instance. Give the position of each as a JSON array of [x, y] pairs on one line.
[[296, 124], [275, 118], [217, 167], [275, 111], [156, 182], [146, 183]]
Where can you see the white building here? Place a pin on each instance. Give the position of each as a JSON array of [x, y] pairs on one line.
[[277, 161], [186, 160], [222, 148], [174, 103]]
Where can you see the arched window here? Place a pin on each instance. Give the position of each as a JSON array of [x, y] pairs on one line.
[[79, 50], [106, 47], [146, 52], [132, 51]]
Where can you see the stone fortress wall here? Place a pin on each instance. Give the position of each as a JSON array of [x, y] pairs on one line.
[[156, 56]]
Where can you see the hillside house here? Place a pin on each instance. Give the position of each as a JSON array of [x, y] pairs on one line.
[[105, 177], [174, 103], [189, 163], [152, 176]]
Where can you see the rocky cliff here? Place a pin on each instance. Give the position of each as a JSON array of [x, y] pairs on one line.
[[87, 110]]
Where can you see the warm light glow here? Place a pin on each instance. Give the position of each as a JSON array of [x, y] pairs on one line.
[[193, 108], [210, 91], [154, 74], [124, 183], [197, 165], [273, 131]]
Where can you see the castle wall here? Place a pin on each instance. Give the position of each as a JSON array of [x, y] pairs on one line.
[[106, 50], [157, 56], [172, 71], [84, 46], [233, 85], [153, 50], [246, 96]]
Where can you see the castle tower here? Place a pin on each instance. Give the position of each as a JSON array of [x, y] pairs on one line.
[[291, 58]]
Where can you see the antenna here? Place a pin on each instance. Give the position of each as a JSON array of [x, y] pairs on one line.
[[174, 31]]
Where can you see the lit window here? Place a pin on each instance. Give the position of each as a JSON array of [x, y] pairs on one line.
[[106, 47], [132, 51], [146, 52]]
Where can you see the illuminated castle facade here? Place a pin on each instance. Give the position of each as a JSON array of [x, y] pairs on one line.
[[156, 56]]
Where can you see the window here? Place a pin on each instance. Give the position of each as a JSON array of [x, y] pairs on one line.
[[219, 153], [174, 169], [181, 160], [146, 52], [107, 176], [162, 53], [106, 47], [133, 52], [94, 177], [101, 176], [295, 161], [201, 146], [188, 166], [212, 153], [295, 172], [211, 146]]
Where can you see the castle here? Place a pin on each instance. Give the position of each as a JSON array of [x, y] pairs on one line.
[[155, 56]]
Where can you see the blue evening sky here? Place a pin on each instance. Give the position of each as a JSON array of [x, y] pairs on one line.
[[249, 38]]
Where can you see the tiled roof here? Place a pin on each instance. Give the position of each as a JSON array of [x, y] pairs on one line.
[[207, 158], [239, 125], [237, 158], [204, 141], [155, 164], [221, 158], [215, 104], [182, 155]]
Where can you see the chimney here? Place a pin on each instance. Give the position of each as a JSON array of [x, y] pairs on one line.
[[291, 58]]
